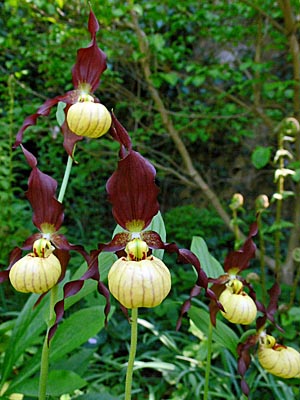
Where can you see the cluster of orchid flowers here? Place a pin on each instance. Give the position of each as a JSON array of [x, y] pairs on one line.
[[137, 278]]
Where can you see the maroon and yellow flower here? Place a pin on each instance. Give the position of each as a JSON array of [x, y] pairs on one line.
[[85, 115]]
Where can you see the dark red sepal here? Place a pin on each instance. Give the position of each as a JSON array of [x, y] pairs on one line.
[[133, 192], [240, 259], [47, 210], [91, 61]]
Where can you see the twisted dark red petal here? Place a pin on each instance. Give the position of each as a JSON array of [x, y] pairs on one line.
[[73, 287], [133, 192], [184, 256], [44, 111], [119, 133], [91, 61]]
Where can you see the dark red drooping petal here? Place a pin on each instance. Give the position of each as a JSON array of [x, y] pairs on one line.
[[269, 312], [91, 61], [44, 111], [73, 287], [70, 139], [184, 256], [15, 255], [240, 259], [47, 210], [244, 360], [119, 133], [133, 192]]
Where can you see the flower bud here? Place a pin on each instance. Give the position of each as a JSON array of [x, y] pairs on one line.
[[262, 202], [277, 359], [238, 305], [36, 272], [143, 283], [237, 201], [86, 118]]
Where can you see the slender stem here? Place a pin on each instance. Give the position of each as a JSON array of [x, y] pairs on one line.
[[235, 228], [65, 180], [208, 361], [280, 190], [262, 256], [46, 347], [133, 343]]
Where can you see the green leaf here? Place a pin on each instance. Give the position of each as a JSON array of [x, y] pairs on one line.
[[296, 176], [71, 333], [222, 333], [171, 78], [76, 330], [158, 225], [28, 327], [97, 396], [59, 382], [60, 114], [209, 264], [261, 156]]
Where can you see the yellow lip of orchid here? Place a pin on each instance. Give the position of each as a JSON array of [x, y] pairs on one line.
[[138, 280], [277, 359], [37, 272], [238, 305]]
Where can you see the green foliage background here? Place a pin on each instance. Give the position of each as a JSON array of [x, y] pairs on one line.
[[224, 73]]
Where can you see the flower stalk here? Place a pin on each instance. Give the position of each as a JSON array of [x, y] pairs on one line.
[[133, 345], [46, 347], [208, 361]]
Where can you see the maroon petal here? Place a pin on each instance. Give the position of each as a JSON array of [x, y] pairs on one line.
[[44, 111], [269, 312], [240, 259], [73, 287], [119, 133], [133, 192], [244, 360], [184, 256], [70, 139], [15, 255], [47, 210], [91, 61]]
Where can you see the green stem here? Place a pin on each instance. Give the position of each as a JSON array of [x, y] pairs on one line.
[[262, 256], [133, 344], [235, 228], [208, 361], [65, 179], [46, 347]]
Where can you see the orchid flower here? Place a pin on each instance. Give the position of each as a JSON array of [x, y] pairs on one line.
[[133, 193], [86, 73], [48, 217]]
